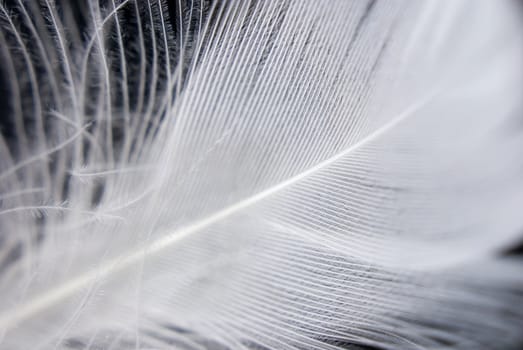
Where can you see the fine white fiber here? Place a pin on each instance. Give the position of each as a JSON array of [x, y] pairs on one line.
[[261, 174]]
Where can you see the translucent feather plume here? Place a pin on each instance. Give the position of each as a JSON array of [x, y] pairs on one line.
[[261, 174]]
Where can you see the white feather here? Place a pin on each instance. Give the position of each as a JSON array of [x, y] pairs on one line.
[[267, 174]]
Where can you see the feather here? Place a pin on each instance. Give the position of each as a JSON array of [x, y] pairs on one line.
[[260, 174]]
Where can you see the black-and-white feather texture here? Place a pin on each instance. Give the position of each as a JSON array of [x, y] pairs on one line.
[[275, 174]]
